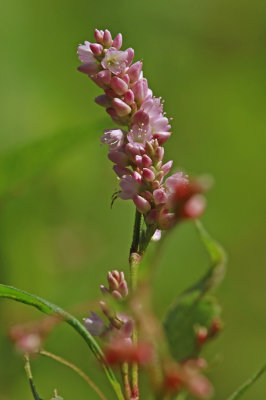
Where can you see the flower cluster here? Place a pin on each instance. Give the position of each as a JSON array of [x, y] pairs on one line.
[[137, 151]]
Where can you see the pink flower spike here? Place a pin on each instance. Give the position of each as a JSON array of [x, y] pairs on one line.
[[166, 167], [115, 60], [119, 158], [85, 53], [89, 68], [129, 97], [156, 236], [159, 196], [148, 175], [104, 77], [146, 160], [96, 48], [194, 207], [98, 36], [117, 42], [114, 138], [140, 89], [121, 107], [107, 38], [121, 171], [162, 137], [134, 71], [118, 85], [142, 204], [103, 100], [130, 56]]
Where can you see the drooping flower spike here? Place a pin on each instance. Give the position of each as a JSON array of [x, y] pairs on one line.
[[137, 150]]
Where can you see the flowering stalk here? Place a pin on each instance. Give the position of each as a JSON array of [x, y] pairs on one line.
[[137, 152]]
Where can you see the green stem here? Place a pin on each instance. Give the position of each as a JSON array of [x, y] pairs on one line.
[[134, 260], [125, 377], [136, 233], [30, 378], [76, 369]]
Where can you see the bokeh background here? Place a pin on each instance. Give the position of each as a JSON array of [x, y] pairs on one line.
[[58, 235]]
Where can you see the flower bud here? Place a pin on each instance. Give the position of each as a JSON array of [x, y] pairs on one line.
[[134, 71], [96, 48], [142, 204], [146, 160], [166, 167], [159, 196], [98, 36], [140, 89], [107, 38], [121, 107], [121, 171], [130, 56], [162, 137], [89, 68], [103, 100], [104, 77], [119, 158], [129, 97], [119, 86], [117, 42], [148, 175]]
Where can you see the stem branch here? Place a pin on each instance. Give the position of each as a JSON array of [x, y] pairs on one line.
[[76, 369]]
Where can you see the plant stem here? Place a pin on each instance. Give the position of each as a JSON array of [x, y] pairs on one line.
[[124, 371], [136, 233], [30, 378], [76, 369], [134, 260]]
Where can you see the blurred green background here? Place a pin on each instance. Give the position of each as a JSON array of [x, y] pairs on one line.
[[58, 235]]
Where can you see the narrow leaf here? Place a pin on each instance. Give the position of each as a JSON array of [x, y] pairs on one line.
[[49, 308], [238, 393]]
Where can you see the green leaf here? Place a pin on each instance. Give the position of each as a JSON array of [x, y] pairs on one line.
[[20, 165], [193, 308], [238, 393], [49, 308], [181, 322]]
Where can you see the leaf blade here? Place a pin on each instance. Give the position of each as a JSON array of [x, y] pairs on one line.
[[50, 308], [238, 393]]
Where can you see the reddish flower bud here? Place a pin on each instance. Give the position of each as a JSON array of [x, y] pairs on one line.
[[96, 48], [117, 42]]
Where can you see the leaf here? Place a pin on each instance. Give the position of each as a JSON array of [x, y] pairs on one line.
[[193, 308], [49, 308], [238, 393], [20, 165], [183, 319]]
